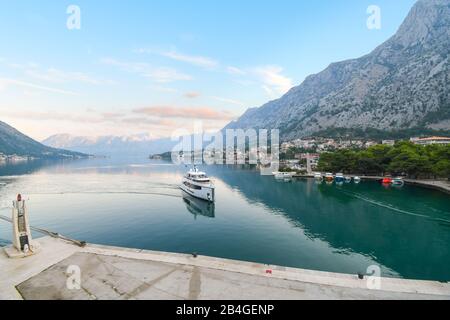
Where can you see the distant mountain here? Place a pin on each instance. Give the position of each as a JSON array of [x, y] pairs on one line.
[[141, 144], [12, 142], [404, 84]]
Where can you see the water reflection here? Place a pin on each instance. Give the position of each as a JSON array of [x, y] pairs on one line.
[[392, 226], [199, 207], [301, 224], [18, 168]]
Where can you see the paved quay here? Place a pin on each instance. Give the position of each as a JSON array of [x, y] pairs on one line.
[[118, 273], [441, 185]]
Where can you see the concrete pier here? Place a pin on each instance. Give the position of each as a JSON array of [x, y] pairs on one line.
[[118, 273]]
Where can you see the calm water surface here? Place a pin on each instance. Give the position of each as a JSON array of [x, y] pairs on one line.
[[137, 203]]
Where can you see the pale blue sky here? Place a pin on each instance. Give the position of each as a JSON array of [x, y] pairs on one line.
[[154, 66]]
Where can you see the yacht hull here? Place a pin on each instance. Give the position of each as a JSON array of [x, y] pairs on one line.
[[204, 193]]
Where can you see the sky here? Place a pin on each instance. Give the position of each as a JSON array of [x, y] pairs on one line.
[[157, 66]]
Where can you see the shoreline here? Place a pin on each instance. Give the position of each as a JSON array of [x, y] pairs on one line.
[[443, 186], [439, 185]]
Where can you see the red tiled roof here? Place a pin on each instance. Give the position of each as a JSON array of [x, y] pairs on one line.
[[434, 138]]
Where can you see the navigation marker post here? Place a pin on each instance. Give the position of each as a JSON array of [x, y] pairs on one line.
[[23, 244]]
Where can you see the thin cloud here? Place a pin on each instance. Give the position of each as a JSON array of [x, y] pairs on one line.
[[59, 116], [273, 80], [112, 115], [132, 67], [92, 118], [156, 74], [166, 75], [5, 82], [59, 76], [185, 112], [269, 91], [149, 121], [192, 95], [199, 61], [230, 101], [245, 82], [55, 75], [235, 71], [164, 89], [3, 85]]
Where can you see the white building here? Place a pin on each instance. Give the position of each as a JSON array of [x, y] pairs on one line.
[[389, 142], [431, 140]]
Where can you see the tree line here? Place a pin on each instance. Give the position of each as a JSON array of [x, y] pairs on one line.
[[404, 158]]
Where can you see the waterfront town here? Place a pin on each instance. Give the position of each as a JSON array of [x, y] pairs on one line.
[[329, 144], [304, 154], [224, 155], [13, 158]]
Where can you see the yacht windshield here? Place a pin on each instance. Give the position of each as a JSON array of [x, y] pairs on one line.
[[198, 177]]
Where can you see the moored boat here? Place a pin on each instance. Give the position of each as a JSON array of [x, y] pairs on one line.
[[347, 179], [198, 185], [318, 176], [329, 177], [339, 178], [398, 182], [283, 175], [386, 180], [357, 179]]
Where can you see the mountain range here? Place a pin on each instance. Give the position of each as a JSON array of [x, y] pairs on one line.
[[13, 142], [402, 85], [140, 144]]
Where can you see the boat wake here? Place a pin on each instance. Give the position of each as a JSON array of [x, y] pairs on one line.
[[108, 192], [392, 208]]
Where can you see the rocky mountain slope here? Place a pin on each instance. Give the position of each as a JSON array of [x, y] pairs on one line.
[[13, 142], [402, 84]]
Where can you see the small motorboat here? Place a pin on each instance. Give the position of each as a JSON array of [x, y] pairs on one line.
[[357, 180], [398, 182], [329, 177], [283, 175], [198, 185], [347, 179], [318, 176], [386, 180], [339, 178]]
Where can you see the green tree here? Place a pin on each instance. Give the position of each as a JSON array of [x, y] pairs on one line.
[[442, 168], [405, 157]]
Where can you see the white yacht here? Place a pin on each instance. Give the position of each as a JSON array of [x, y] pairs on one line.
[[198, 185]]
